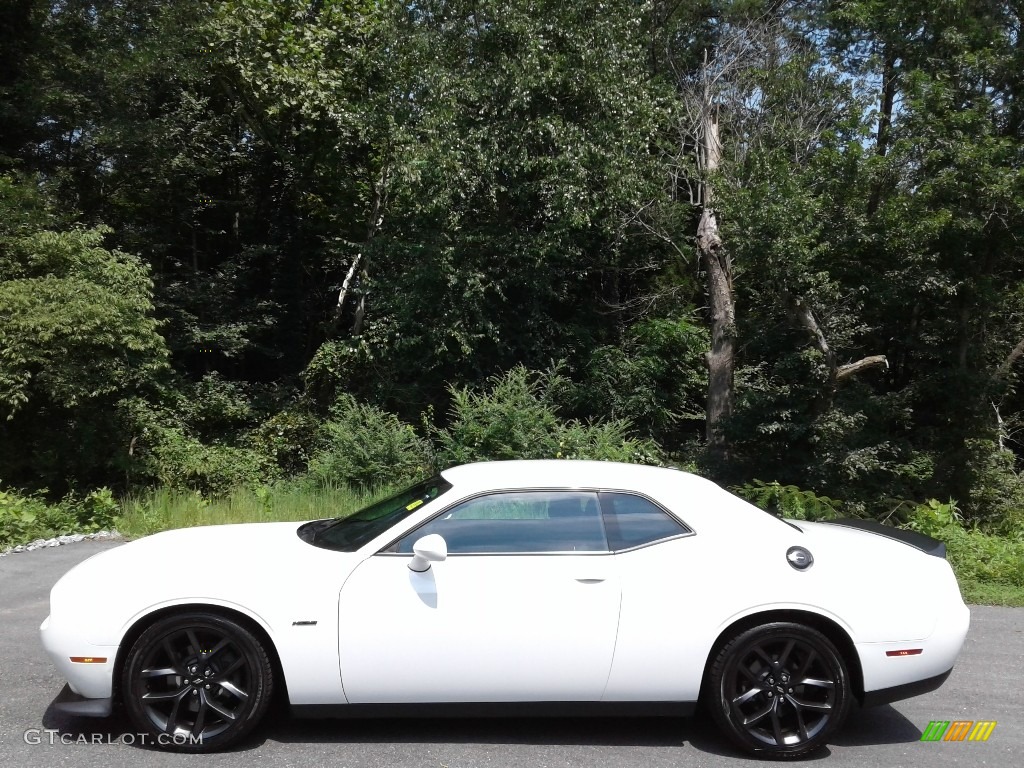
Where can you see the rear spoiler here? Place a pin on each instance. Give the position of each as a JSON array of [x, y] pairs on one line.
[[926, 544]]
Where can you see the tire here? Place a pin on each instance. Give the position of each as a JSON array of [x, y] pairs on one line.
[[779, 690], [196, 682]]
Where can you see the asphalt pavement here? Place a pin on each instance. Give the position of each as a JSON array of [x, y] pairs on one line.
[[987, 684]]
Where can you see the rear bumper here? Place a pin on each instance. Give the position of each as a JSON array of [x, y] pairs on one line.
[[905, 691], [891, 678]]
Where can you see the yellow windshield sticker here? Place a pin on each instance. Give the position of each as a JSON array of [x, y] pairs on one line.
[[415, 504]]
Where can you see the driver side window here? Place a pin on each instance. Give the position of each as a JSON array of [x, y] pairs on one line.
[[518, 523]]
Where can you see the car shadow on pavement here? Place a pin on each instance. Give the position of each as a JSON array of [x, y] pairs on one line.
[[876, 725], [73, 729], [864, 727]]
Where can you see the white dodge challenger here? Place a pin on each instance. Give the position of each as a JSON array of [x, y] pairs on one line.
[[526, 587]]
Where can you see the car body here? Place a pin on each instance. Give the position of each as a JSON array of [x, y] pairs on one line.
[[544, 587]]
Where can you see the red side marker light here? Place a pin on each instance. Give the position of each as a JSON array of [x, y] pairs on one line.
[[905, 652], [89, 659]]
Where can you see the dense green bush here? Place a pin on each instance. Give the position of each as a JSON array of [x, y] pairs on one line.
[[789, 501], [517, 417], [98, 510], [214, 408], [976, 556], [365, 446], [164, 451], [995, 490], [22, 518], [656, 379], [25, 517], [77, 334], [184, 462], [289, 439]]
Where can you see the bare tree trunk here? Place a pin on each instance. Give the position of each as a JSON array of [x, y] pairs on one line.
[[837, 374], [361, 263], [964, 345], [889, 82], [357, 323], [843, 372], [343, 294], [888, 102], [722, 303], [1013, 357]]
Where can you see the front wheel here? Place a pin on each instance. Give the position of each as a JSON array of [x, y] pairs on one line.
[[196, 682], [779, 690]]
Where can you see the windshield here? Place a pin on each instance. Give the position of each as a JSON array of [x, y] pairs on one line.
[[347, 534]]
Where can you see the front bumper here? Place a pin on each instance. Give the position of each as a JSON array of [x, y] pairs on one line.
[[90, 680]]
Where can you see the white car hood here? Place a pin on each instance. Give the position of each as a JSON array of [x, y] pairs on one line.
[[263, 568]]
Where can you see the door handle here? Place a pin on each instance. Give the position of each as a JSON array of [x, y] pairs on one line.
[[590, 581]]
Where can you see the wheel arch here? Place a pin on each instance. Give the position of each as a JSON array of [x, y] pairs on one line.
[[828, 627], [142, 623]]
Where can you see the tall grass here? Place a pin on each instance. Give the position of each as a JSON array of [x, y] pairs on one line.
[[162, 509]]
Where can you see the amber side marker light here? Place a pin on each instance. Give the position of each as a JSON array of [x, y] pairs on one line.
[[905, 652], [88, 659]]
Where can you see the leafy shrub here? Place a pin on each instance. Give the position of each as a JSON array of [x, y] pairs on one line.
[[77, 334], [974, 554], [605, 441], [163, 450], [184, 462], [935, 519], [517, 418], [27, 517], [21, 518], [214, 408], [992, 486], [366, 447], [289, 440], [981, 557], [789, 501], [656, 378], [335, 368], [97, 511]]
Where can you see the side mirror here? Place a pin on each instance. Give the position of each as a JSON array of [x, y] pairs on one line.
[[429, 549]]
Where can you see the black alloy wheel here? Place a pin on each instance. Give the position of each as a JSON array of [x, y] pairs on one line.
[[196, 682], [779, 690]]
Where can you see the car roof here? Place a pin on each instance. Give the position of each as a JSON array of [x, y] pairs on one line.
[[562, 473]]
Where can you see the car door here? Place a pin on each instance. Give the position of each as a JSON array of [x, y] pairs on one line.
[[666, 583], [524, 608]]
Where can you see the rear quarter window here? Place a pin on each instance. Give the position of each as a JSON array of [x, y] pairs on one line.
[[633, 521]]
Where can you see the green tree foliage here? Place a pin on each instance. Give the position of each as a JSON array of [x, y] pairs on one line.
[[487, 172], [940, 199], [76, 322], [387, 208], [654, 378], [77, 334]]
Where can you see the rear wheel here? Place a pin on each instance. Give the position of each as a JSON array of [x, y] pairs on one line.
[[779, 690], [196, 682]]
